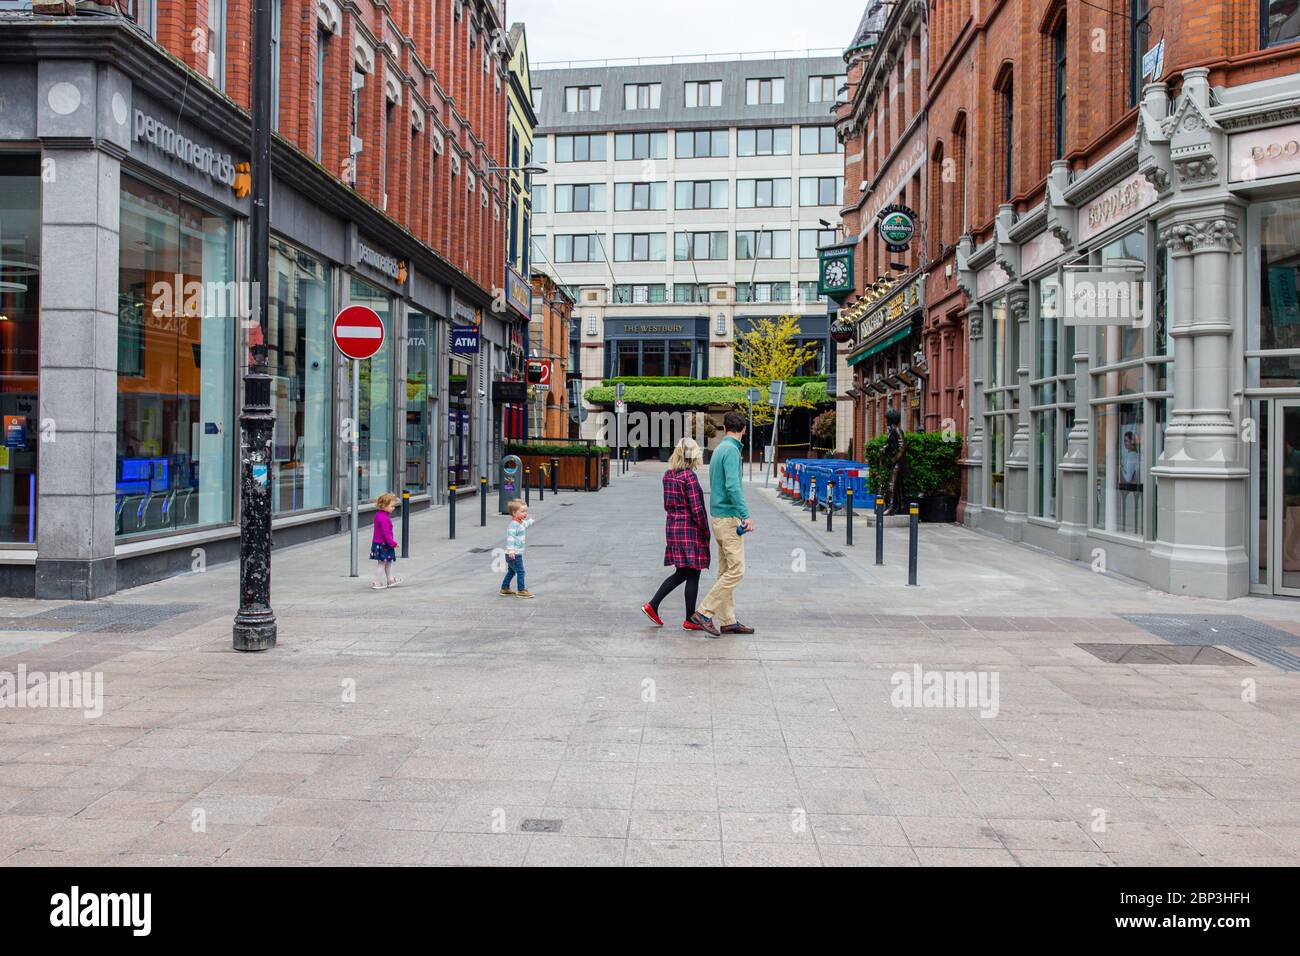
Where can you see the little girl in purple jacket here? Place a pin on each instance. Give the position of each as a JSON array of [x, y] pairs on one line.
[[384, 546]]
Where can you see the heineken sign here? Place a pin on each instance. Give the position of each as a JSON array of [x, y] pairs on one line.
[[897, 225]]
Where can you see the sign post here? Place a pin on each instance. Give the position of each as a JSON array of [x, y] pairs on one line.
[[619, 409], [753, 395], [775, 395], [358, 334]]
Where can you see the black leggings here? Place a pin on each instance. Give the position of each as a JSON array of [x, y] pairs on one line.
[[691, 577]]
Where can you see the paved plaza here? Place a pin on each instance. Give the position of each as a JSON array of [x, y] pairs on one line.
[[440, 723]]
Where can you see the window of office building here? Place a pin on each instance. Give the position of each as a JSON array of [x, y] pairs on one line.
[[1128, 402], [699, 245], [762, 291], [375, 401], [765, 141], [825, 89], [764, 91], [821, 190], [639, 247], [641, 96], [703, 93], [421, 393], [764, 244], [690, 292], [701, 143], [808, 292], [540, 203], [631, 293], [701, 194], [580, 149], [20, 297], [810, 240], [580, 198], [819, 139], [579, 248], [762, 193], [581, 99], [631, 197], [640, 146], [300, 359], [175, 362], [541, 148]]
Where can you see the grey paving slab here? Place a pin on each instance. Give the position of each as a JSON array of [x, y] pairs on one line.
[[432, 738]]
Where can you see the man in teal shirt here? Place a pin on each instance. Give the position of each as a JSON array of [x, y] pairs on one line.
[[717, 612]]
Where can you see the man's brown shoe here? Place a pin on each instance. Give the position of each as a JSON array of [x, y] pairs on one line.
[[706, 623], [525, 593], [737, 628]]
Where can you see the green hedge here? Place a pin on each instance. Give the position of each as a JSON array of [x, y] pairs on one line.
[[690, 396], [934, 464], [556, 451]]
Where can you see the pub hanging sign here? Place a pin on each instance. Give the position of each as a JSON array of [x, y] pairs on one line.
[[897, 225]]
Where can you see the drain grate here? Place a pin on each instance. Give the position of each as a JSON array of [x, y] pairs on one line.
[[1262, 641], [479, 550], [833, 554], [541, 826], [1163, 654], [99, 617]]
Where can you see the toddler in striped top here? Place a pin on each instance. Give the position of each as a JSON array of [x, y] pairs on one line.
[[516, 541]]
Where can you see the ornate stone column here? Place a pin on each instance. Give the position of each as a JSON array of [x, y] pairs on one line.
[[1017, 463], [974, 460], [1201, 482]]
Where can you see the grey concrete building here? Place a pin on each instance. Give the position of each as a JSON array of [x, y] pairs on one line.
[[682, 201], [1164, 444]]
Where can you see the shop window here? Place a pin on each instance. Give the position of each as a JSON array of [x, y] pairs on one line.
[[374, 402], [1278, 282], [421, 392], [300, 359], [178, 305], [20, 295]]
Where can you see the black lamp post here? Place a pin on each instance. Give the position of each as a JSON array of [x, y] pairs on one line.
[[255, 628]]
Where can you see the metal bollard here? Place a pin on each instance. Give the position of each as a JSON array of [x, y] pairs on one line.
[[451, 512], [848, 517], [406, 523], [482, 501], [586, 473], [555, 476], [528, 482], [812, 487], [914, 524], [541, 484], [830, 503], [880, 529]]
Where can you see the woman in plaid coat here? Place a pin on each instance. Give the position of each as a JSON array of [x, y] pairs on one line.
[[686, 529]]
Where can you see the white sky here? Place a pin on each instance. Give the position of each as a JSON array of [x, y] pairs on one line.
[[613, 29]]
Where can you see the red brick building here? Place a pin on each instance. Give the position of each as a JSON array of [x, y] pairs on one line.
[[549, 344], [1076, 149]]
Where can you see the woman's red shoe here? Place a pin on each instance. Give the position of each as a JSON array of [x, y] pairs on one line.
[[688, 626], [650, 613]]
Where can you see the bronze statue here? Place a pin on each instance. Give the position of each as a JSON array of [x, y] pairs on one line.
[[896, 458]]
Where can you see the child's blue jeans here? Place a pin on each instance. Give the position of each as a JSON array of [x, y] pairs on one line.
[[514, 566]]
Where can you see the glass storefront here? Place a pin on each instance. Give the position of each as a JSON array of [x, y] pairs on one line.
[[375, 399], [1000, 396], [1279, 301], [177, 308], [20, 273], [421, 390], [459, 454], [300, 358]]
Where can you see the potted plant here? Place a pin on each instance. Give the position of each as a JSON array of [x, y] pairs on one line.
[[933, 472], [823, 433], [710, 433]]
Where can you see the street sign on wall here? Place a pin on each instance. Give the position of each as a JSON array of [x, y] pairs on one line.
[[358, 332]]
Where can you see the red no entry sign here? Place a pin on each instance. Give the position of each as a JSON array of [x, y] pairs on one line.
[[358, 332]]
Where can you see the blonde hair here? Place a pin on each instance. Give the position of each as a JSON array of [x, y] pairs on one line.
[[386, 499], [514, 505], [687, 454]]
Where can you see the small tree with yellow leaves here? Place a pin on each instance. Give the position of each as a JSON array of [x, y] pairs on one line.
[[768, 352]]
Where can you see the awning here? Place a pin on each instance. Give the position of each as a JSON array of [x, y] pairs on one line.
[[898, 336]]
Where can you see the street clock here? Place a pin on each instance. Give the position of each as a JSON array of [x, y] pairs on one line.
[[836, 275]]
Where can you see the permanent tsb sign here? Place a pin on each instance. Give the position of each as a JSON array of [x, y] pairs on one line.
[[205, 159]]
